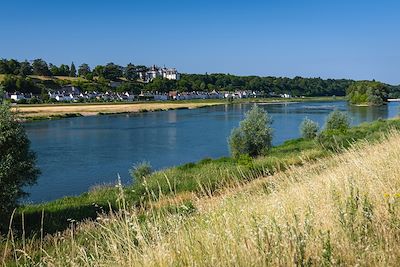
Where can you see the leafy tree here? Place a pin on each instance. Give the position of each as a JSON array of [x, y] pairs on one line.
[[40, 67], [2, 93], [133, 87], [337, 121], [112, 71], [13, 66], [140, 171], [55, 71], [13, 83], [308, 128], [63, 70], [84, 70], [130, 72], [4, 66], [17, 162], [25, 68], [72, 72], [99, 71], [254, 134]]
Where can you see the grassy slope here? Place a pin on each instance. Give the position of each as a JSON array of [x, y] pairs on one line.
[[206, 177], [343, 210]]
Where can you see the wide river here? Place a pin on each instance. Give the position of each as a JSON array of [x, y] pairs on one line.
[[75, 154]]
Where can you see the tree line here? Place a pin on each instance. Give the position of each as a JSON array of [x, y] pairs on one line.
[[18, 77]]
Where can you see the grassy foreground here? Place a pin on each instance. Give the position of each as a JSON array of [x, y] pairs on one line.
[[343, 210], [204, 178]]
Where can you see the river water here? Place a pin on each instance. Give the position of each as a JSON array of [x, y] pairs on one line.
[[75, 154]]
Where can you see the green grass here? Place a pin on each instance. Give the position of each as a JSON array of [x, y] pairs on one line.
[[202, 178]]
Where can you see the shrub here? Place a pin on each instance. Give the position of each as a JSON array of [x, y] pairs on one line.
[[140, 171], [17, 163], [334, 140], [308, 128], [337, 120], [254, 134]]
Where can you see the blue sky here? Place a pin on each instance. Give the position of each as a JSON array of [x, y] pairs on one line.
[[309, 38]]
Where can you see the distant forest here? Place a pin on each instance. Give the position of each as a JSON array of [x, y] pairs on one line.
[[26, 76]]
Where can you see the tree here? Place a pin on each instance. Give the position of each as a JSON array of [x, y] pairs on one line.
[[337, 121], [254, 134], [64, 70], [72, 72], [308, 128], [2, 93], [99, 71], [130, 72], [112, 72], [13, 66], [40, 67], [84, 70], [55, 71], [17, 162], [25, 68]]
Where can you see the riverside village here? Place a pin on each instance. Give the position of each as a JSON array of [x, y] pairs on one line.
[[70, 93]]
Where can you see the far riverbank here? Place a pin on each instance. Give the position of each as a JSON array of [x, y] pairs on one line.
[[66, 110]]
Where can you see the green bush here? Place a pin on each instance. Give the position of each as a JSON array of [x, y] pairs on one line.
[[17, 163], [308, 128], [337, 120], [254, 134], [140, 171]]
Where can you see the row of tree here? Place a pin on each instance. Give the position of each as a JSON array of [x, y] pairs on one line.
[[40, 67], [97, 79]]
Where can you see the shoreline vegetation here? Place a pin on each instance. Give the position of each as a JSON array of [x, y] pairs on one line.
[[301, 204], [35, 112], [192, 180]]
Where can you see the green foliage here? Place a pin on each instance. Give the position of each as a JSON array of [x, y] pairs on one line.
[[254, 134], [112, 72], [308, 128], [72, 72], [84, 70], [40, 67], [130, 72], [12, 83], [366, 92], [140, 171], [337, 121], [17, 162]]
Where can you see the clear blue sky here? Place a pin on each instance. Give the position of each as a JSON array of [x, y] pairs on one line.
[[310, 38]]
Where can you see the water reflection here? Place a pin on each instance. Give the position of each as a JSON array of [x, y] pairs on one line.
[[77, 153]]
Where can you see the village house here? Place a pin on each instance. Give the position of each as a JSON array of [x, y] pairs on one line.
[[17, 96]]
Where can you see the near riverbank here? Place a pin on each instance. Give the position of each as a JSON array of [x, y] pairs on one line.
[[322, 211], [206, 177], [58, 111]]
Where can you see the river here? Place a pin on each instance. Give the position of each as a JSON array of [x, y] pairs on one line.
[[75, 154]]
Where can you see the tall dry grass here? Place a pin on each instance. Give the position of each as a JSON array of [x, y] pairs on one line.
[[344, 210]]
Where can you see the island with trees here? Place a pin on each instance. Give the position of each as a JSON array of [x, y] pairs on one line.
[[370, 93]]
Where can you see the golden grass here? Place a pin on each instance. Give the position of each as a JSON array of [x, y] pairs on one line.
[[344, 210], [95, 109]]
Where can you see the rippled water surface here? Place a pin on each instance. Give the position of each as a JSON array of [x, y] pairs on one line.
[[77, 153]]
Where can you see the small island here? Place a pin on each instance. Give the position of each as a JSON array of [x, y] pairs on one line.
[[367, 93]]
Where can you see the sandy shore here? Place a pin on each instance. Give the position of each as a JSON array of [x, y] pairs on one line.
[[44, 111]]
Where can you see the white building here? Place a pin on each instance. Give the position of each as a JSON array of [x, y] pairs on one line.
[[156, 72], [170, 74], [17, 96]]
